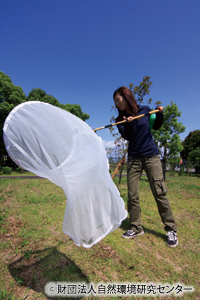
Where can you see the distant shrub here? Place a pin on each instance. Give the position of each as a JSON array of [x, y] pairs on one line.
[[19, 170], [6, 170]]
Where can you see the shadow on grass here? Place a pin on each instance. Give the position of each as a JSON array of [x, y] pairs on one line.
[[35, 269], [155, 233], [126, 225]]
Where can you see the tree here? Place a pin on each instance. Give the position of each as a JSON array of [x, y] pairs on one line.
[[10, 96], [9, 93], [76, 110], [36, 95], [194, 156], [40, 95], [120, 143], [191, 142], [189, 155], [167, 137], [143, 89]]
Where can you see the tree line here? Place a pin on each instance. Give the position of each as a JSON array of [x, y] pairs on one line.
[[172, 150], [11, 96], [191, 151]]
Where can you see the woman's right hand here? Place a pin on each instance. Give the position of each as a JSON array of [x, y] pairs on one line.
[[129, 119]]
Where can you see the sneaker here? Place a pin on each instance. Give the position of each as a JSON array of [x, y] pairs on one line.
[[129, 234], [172, 240]]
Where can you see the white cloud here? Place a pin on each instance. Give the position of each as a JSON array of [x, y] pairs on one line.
[[109, 144]]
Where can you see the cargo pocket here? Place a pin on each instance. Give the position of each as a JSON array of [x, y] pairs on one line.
[[160, 186]]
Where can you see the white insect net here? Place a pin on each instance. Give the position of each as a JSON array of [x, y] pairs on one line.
[[54, 144]]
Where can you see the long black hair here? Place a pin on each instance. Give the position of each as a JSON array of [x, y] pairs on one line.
[[130, 99]]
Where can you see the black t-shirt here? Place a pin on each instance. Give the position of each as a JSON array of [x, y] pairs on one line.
[[137, 132]]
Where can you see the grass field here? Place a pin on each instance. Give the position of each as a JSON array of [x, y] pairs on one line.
[[34, 250]]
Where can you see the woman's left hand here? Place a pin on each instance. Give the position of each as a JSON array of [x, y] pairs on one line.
[[160, 108]]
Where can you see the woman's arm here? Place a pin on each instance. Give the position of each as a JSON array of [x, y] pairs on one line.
[[159, 118], [126, 129]]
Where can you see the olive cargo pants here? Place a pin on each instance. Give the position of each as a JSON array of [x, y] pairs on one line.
[[153, 168]]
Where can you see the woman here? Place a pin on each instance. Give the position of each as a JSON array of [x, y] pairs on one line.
[[143, 155]]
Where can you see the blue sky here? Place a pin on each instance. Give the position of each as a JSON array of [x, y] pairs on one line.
[[80, 51]]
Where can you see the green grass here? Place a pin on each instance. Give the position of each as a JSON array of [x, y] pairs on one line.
[[34, 250]]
